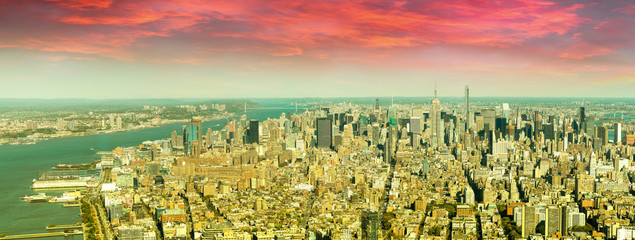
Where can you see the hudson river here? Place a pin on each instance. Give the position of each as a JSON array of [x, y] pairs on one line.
[[19, 165]]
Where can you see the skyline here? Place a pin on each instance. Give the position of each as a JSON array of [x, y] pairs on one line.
[[107, 49]]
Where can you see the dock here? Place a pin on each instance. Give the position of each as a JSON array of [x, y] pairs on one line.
[[42, 235], [64, 227]]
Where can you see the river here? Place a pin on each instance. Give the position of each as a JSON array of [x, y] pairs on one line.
[[19, 165]]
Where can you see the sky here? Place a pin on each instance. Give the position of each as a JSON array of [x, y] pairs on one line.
[[316, 48]]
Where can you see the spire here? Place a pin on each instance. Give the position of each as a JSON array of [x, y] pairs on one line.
[[435, 89]]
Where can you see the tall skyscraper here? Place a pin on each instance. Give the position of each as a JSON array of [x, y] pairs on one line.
[[489, 119], [602, 133], [324, 132], [437, 124], [564, 220], [618, 133], [552, 221], [191, 133], [518, 118], [174, 139], [528, 221], [467, 107], [581, 121], [370, 225], [389, 146], [253, 132]]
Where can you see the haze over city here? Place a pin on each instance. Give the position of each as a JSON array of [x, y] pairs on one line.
[[317, 48]]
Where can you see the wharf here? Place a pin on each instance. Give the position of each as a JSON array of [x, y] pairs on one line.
[[64, 227], [42, 235]]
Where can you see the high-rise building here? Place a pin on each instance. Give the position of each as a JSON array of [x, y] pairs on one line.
[[618, 133], [437, 124], [582, 120], [252, 135], [469, 195], [370, 225], [602, 133], [174, 139], [415, 125], [467, 107], [506, 111], [324, 132], [552, 221], [528, 221], [489, 119], [389, 146], [549, 131], [191, 136], [563, 220]]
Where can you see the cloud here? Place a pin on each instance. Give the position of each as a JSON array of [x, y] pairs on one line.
[[315, 25]]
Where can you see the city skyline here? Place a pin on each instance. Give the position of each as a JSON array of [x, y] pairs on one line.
[[106, 49]]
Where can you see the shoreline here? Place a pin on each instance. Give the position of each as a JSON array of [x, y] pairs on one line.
[[110, 131]]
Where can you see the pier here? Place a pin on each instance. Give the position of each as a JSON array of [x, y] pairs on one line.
[[63, 227], [43, 235]]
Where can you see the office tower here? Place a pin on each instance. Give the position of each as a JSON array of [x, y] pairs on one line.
[[467, 107], [209, 135], [190, 137], [437, 124], [324, 132], [582, 120], [252, 133], [174, 139], [519, 119], [370, 225], [377, 103], [415, 125], [514, 195], [602, 133], [528, 221], [414, 141], [549, 131], [506, 110], [618, 133], [489, 119], [389, 146], [469, 195], [552, 221], [501, 125], [564, 210]]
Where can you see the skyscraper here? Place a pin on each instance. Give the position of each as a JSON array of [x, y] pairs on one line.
[[370, 225], [437, 124], [467, 107], [582, 122], [324, 132], [489, 119], [528, 221], [252, 133], [618, 133], [552, 221], [191, 133]]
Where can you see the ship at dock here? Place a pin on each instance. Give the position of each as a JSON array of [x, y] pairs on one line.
[[64, 176], [36, 198]]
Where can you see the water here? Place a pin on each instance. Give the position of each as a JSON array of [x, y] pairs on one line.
[[19, 165]]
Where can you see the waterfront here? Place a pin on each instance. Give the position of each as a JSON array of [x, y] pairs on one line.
[[19, 165]]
